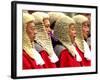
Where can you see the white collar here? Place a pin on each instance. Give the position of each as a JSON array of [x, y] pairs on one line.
[[87, 52]]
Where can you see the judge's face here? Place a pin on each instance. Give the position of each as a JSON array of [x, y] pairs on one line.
[[85, 29], [31, 31], [47, 25], [72, 31]]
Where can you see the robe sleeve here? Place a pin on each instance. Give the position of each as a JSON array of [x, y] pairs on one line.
[[28, 62], [84, 61], [45, 57], [67, 60]]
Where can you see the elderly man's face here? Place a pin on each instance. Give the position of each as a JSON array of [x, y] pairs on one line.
[[85, 29], [47, 25], [72, 31], [31, 31]]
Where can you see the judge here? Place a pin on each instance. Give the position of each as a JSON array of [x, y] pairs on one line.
[[82, 25], [53, 17], [43, 42], [31, 59], [68, 51]]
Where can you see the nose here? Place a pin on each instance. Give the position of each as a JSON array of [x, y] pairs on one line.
[[87, 29], [75, 31]]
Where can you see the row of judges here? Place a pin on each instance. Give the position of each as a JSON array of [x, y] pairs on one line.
[[55, 40]]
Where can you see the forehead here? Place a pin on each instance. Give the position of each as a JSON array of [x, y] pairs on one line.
[[72, 25], [46, 19], [31, 24], [86, 23]]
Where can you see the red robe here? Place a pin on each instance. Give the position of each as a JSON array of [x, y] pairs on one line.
[[28, 62], [84, 61], [67, 60], [45, 57]]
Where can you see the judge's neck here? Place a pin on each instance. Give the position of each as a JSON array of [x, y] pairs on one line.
[[73, 42]]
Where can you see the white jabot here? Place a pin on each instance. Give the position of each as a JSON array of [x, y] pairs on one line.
[[37, 57], [74, 51], [87, 52], [53, 58]]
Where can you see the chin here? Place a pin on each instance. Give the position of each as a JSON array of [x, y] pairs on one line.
[[74, 36]]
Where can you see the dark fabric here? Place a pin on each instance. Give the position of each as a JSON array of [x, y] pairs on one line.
[[38, 47], [58, 49], [55, 41]]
